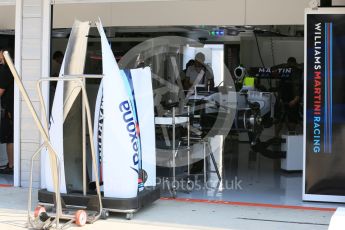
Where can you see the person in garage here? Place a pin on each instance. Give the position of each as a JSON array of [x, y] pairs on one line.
[[199, 73], [56, 63], [289, 95], [6, 127], [184, 81]]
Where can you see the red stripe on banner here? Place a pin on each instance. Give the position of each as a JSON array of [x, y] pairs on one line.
[[101, 172], [5, 185], [329, 84], [248, 204]]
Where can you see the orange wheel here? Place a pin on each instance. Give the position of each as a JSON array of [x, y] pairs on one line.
[[38, 210], [80, 218]]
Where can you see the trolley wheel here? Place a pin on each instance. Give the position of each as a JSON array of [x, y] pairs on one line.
[[129, 216], [80, 218], [174, 193], [38, 210], [189, 185], [104, 214]]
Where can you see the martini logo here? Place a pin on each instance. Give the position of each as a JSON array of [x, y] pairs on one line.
[[322, 87], [317, 76], [284, 72], [262, 72]]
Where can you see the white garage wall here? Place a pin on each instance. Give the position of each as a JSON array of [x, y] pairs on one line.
[[275, 12], [181, 12], [31, 58], [338, 2], [201, 12], [7, 17]]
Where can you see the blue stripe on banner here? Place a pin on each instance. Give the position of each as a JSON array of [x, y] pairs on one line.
[[325, 95], [127, 77], [331, 88]]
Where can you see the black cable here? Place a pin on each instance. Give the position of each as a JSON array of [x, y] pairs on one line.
[[258, 47], [273, 61], [272, 51], [219, 84]]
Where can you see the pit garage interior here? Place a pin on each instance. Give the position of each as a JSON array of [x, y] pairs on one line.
[[250, 157]]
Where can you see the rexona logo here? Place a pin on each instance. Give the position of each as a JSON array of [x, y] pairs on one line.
[[133, 131], [131, 126]]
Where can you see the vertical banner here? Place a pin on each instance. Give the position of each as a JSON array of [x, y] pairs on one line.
[[138, 84], [120, 148], [324, 124], [142, 84]]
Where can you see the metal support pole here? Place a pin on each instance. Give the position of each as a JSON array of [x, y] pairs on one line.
[[205, 173], [173, 150], [214, 161], [188, 142], [31, 178], [94, 164], [84, 141]]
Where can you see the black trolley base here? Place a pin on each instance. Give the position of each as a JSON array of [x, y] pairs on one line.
[[122, 205]]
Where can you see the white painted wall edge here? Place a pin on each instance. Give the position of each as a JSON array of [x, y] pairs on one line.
[[17, 97], [45, 64]]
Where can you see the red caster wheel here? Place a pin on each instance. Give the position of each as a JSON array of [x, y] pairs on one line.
[[80, 218], [38, 210]]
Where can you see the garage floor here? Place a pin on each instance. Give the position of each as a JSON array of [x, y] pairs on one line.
[[248, 177], [168, 214], [6, 179]]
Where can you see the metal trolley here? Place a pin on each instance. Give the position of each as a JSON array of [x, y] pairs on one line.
[[128, 206], [77, 214]]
